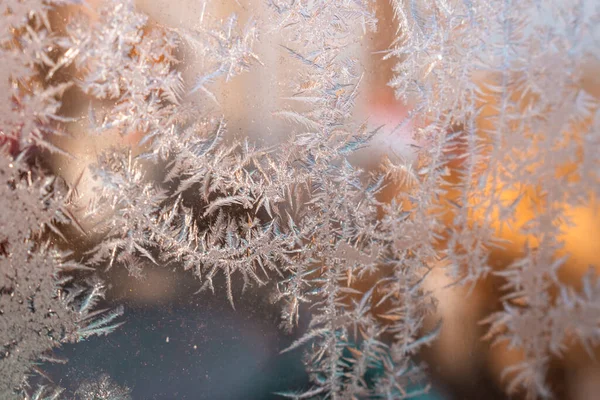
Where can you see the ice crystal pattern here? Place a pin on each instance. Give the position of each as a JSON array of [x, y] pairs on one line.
[[300, 214], [41, 304]]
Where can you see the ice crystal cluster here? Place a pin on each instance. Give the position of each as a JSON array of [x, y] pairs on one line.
[[499, 113]]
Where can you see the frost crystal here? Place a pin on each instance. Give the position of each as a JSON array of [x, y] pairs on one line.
[[505, 131]]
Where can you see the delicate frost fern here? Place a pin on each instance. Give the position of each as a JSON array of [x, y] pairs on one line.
[[497, 108], [509, 75]]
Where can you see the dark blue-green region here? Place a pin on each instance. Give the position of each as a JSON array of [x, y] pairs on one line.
[[197, 347]]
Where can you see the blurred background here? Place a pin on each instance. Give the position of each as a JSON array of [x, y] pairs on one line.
[[179, 344]]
